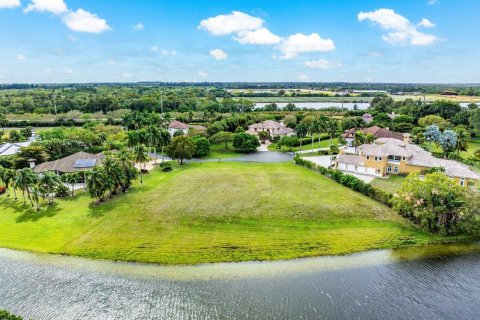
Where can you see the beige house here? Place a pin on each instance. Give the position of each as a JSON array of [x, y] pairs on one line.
[[275, 129], [175, 126], [392, 156]]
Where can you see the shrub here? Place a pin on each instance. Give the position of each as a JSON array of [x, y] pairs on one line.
[[5, 315], [61, 191], [166, 166], [244, 142]]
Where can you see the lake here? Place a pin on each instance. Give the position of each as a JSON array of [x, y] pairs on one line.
[[432, 282], [320, 105]]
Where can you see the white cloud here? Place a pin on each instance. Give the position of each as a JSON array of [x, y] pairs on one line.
[[21, 57], [299, 43], [320, 64], [402, 31], [259, 36], [202, 74], [218, 54], [126, 75], [8, 4], [53, 6], [84, 21], [230, 23], [139, 27], [168, 53], [426, 23], [375, 54], [72, 38], [432, 2], [67, 70], [47, 70], [154, 49], [302, 76]]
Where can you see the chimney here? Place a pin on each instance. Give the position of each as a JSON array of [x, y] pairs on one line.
[[31, 162]]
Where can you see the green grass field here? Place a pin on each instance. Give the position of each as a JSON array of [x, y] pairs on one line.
[[308, 146], [473, 145], [307, 99], [392, 184], [212, 212], [218, 151]]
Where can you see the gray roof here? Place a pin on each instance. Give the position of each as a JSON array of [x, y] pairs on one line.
[[8, 149], [174, 124], [68, 164], [267, 124], [350, 159]]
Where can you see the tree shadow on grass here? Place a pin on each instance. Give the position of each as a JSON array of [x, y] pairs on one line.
[[97, 210], [31, 214]]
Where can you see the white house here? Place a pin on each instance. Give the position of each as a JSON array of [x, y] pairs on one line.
[[176, 126], [275, 129], [8, 149]]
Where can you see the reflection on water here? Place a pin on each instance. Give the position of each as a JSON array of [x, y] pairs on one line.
[[433, 282]]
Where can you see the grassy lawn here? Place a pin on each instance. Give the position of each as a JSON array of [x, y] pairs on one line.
[[218, 151], [473, 145], [308, 146], [212, 212], [307, 99], [392, 184]]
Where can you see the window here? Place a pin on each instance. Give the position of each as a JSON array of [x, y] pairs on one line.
[[377, 171], [462, 181], [397, 158], [389, 169], [390, 157], [403, 158], [395, 169], [368, 157]]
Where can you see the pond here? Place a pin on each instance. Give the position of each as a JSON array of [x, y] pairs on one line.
[[432, 282]]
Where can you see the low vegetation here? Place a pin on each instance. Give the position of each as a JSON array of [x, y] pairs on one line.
[[212, 212]]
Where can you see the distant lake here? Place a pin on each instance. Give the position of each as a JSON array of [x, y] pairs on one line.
[[319, 105], [430, 282]]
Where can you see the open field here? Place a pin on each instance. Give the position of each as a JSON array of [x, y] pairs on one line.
[[218, 151], [308, 99], [212, 212], [434, 97], [392, 184]]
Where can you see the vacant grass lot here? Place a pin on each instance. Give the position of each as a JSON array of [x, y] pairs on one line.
[[212, 212], [392, 184], [306, 146]]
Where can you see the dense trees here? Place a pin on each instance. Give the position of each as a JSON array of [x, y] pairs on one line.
[[244, 142], [181, 148]]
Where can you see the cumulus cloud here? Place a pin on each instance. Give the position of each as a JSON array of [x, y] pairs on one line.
[[53, 6], [138, 27], [154, 48], [298, 43], [259, 36], [402, 32], [320, 64], [8, 4], [202, 73], [84, 21], [218, 54], [426, 23], [230, 23]]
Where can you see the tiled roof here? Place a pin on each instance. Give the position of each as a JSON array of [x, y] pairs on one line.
[[350, 159], [66, 165], [376, 131], [267, 124], [174, 124]]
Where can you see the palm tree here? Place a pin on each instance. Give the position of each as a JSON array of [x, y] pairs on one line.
[[114, 174], [312, 129], [25, 179], [34, 198], [332, 128], [124, 159], [7, 178], [133, 139], [154, 138], [462, 140], [359, 139], [164, 141], [95, 183], [48, 181], [140, 156]]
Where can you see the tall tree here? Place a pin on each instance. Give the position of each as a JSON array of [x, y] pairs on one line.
[[140, 156]]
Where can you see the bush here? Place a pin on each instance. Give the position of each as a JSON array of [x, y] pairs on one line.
[[5, 315], [244, 142], [61, 191], [166, 166], [202, 146], [349, 181]]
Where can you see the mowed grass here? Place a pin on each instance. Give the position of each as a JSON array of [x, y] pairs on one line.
[[218, 151], [212, 212], [472, 145], [392, 184], [306, 146]]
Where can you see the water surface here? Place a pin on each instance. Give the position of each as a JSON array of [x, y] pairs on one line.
[[434, 282]]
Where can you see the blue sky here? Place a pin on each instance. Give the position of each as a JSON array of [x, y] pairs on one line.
[[144, 40]]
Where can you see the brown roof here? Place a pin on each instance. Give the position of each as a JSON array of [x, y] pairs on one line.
[[376, 131], [174, 124], [68, 164]]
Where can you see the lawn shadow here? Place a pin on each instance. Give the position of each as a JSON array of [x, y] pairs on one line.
[[31, 214]]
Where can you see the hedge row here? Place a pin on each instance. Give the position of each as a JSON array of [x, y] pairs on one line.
[[349, 181]]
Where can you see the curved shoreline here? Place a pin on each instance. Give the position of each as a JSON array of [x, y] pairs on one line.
[[242, 269]]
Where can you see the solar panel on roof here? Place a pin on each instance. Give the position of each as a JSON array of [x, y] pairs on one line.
[[84, 163]]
